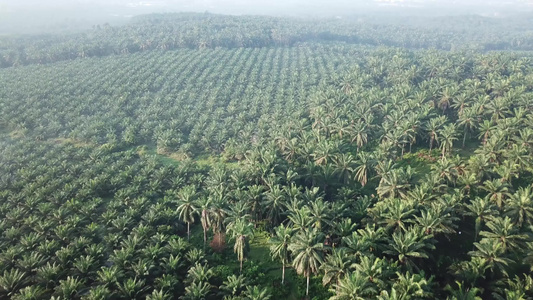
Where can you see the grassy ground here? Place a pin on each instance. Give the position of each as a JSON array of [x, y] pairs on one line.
[[174, 158]]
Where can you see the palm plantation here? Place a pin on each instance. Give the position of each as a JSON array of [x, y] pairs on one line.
[[202, 156]]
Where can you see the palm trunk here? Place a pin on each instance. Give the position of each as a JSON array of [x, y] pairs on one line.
[[283, 274], [188, 231], [431, 142], [307, 289], [464, 138], [241, 266], [205, 236]]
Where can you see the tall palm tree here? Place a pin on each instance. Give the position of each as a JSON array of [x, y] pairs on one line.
[[242, 232], [433, 127], [279, 246], [363, 167], [187, 209], [448, 135], [308, 250], [204, 204], [467, 120], [274, 202]]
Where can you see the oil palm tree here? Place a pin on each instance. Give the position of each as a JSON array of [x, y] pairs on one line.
[[448, 135], [187, 209], [467, 120], [363, 167], [503, 231], [256, 293], [395, 183], [413, 243], [279, 246], [483, 210], [233, 286], [242, 232], [335, 266], [353, 286], [497, 191], [307, 248], [196, 291], [492, 253], [519, 206], [204, 205], [433, 127]]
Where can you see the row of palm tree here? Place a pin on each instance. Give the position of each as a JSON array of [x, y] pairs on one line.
[[164, 32]]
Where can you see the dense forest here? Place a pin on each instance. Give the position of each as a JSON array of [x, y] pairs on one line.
[[199, 156]]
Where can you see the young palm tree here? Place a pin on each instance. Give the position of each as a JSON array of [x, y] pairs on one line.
[[335, 266], [520, 206], [364, 242], [242, 232], [279, 246], [308, 250], [413, 243], [395, 183], [187, 209], [376, 270], [344, 166], [353, 286], [396, 213], [233, 285], [256, 293], [413, 286], [11, 280], [199, 273], [196, 291], [497, 191], [502, 231], [492, 253], [483, 210]]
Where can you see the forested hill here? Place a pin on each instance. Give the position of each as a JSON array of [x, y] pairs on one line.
[[196, 31]]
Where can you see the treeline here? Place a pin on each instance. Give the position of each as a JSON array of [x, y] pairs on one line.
[[197, 31]]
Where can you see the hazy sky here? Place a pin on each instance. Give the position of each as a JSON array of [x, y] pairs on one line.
[[47, 15]]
